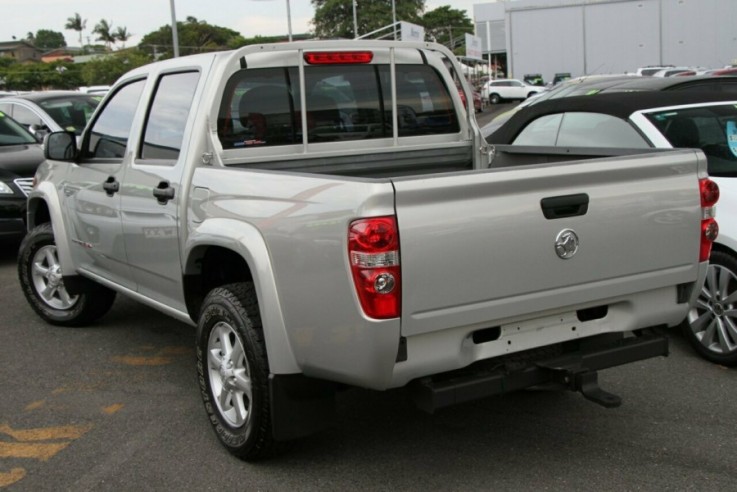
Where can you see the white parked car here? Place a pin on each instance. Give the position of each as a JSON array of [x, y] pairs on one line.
[[504, 89], [51, 111], [661, 120], [670, 72]]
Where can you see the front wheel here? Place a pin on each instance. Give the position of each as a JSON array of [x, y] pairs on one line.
[[40, 275], [234, 371], [494, 99], [711, 325]]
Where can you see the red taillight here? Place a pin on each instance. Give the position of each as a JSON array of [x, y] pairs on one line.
[[709, 192], [338, 57], [709, 228], [373, 251]]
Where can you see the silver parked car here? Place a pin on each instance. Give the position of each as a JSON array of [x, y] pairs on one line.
[[51, 111]]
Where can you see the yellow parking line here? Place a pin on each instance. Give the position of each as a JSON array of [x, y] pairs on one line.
[[45, 433], [34, 405], [132, 360], [9, 478], [115, 407], [39, 451]]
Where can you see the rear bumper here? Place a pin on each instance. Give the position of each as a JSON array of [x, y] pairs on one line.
[[534, 368]]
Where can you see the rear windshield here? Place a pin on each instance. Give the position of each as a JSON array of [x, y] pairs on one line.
[[261, 107], [712, 129]]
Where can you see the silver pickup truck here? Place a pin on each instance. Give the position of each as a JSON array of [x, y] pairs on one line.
[[328, 215]]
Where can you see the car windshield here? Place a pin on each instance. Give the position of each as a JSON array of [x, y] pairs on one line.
[[71, 113], [12, 133], [712, 129]]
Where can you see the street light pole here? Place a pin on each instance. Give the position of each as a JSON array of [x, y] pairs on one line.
[[289, 21], [174, 33], [355, 21], [394, 18]]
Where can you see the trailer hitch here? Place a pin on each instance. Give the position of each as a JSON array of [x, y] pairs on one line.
[[584, 381]]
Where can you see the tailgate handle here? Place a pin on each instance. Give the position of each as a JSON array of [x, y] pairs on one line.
[[558, 207]]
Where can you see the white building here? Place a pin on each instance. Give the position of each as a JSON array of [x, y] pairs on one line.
[[586, 37]]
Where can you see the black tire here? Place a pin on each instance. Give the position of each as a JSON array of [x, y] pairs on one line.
[[40, 278], [231, 362], [494, 99], [530, 95], [711, 326]]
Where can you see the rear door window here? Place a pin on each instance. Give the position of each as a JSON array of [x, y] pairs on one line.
[[598, 130], [168, 116], [581, 130]]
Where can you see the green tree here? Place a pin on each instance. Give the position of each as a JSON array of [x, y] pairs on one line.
[[104, 31], [39, 76], [46, 39], [107, 69], [334, 18], [444, 22], [121, 34], [76, 23], [194, 37]]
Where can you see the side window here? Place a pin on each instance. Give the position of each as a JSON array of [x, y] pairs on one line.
[[168, 116], [712, 128], [109, 135], [543, 131], [25, 116], [598, 130]]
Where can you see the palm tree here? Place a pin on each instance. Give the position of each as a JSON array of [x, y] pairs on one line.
[[76, 23], [121, 34], [104, 31]]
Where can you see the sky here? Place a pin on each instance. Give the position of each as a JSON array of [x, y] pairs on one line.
[[140, 17]]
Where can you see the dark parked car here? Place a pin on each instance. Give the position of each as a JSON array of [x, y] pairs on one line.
[[656, 120], [51, 111], [607, 84], [20, 155], [533, 79]]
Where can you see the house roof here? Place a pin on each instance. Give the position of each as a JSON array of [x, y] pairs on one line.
[[12, 45]]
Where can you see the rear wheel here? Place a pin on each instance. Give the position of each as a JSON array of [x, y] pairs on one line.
[[40, 275], [234, 371], [494, 99], [711, 325]]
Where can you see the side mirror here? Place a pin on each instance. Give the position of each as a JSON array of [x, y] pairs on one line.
[[61, 146]]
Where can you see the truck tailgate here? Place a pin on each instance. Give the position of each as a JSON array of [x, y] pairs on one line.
[[477, 249]]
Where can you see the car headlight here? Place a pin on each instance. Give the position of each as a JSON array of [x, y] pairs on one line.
[[5, 189]]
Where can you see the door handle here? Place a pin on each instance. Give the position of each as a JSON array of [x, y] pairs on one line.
[[558, 207], [163, 192], [111, 186]]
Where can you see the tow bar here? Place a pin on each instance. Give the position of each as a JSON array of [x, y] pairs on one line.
[[575, 369], [584, 381]]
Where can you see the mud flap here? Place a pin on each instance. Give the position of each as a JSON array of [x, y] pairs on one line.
[[300, 406]]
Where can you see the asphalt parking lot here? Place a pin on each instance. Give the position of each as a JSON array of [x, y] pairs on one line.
[[115, 406]]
